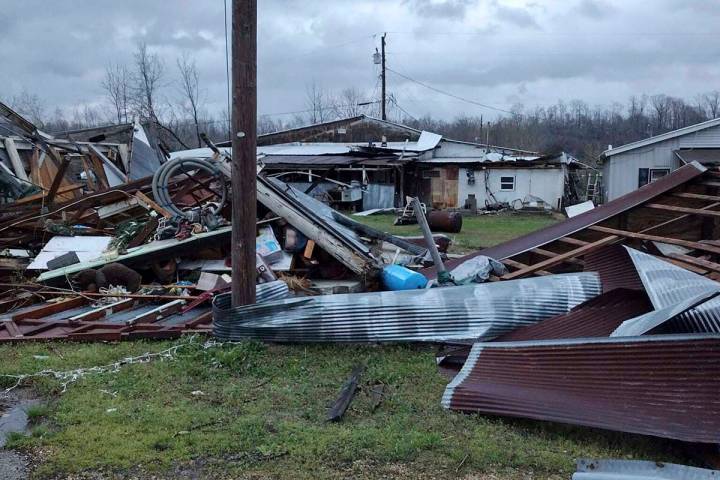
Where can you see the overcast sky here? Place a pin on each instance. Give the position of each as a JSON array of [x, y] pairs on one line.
[[496, 52]]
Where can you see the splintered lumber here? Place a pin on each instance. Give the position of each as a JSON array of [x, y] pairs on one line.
[[15, 160], [152, 204], [59, 177], [347, 393]]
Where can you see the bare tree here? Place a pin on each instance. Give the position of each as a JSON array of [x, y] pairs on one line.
[[347, 104], [710, 103], [30, 106], [117, 88], [319, 103], [190, 88], [148, 74]]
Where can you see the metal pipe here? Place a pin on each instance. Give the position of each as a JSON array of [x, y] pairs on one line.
[[442, 273]]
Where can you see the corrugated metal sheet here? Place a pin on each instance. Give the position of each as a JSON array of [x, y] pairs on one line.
[[639, 470], [615, 267], [309, 161], [668, 285], [661, 385], [438, 314], [597, 317], [657, 319], [584, 220], [378, 196]]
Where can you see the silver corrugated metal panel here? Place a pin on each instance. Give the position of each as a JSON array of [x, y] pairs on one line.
[[480, 311], [668, 285], [378, 196], [642, 324], [266, 292], [639, 470]]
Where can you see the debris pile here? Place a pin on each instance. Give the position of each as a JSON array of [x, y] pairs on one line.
[[609, 319]]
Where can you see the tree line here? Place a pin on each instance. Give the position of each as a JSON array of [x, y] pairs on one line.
[[170, 100]]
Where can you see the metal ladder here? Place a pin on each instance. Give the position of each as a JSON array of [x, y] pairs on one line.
[[592, 184]]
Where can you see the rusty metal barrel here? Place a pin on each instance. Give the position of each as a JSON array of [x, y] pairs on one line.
[[445, 221]]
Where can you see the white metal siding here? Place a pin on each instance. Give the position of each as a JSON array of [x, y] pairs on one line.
[[620, 173], [547, 184], [708, 138]]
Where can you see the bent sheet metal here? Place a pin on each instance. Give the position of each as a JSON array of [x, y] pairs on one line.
[[474, 312], [661, 385]]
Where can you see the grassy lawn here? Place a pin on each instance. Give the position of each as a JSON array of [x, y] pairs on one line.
[[258, 411], [477, 231], [251, 410]]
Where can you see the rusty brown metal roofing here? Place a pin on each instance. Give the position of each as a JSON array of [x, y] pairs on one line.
[[615, 267], [597, 317], [572, 225], [660, 385], [76, 319]]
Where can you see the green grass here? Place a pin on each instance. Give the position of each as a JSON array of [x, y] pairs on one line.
[[253, 409], [477, 231]]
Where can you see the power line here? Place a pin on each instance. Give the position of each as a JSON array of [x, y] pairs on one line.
[[458, 97]]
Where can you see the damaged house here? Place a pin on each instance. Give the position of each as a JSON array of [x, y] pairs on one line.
[[365, 163]]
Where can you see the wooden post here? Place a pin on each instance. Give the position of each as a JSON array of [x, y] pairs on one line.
[[244, 170]]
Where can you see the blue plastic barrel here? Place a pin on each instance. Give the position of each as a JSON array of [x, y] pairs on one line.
[[397, 277]]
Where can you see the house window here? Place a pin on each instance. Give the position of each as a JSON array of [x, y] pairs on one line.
[[648, 175], [507, 184], [656, 173], [431, 174]]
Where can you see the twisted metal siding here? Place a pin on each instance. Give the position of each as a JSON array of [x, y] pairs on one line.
[[661, 385], [480, 311], [668, 285]]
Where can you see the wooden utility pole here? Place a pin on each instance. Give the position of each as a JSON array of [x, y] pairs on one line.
[[244, 130], [382, 76]]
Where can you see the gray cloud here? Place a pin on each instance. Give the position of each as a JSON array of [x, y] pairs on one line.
[[454, 9], [497, 52], [595, 9], [519, 17]]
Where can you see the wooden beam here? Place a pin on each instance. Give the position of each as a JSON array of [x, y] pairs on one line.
[[15, 159], [707, 264], [681, 264], [690, 211], [711, 184], [697, 196], [572, 241], [560, 258], [59, 177], [152, 204], [655, 238], [38, 196], [549, 254], [515, 264]]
